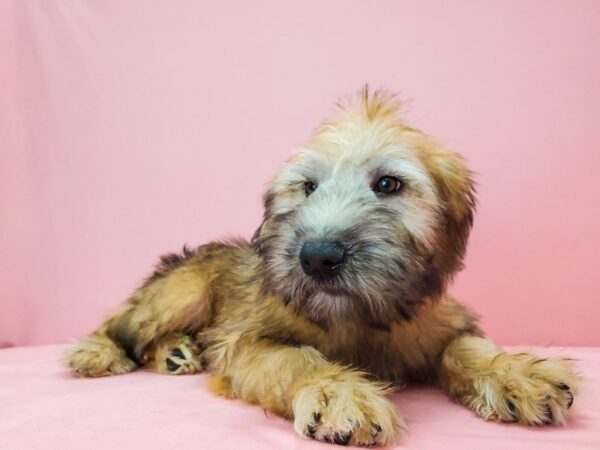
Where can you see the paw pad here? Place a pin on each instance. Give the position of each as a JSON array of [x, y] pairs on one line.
[[172, 365], [176, 352], [177, 357]]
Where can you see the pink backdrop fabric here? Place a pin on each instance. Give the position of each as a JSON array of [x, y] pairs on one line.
[[130, 128]]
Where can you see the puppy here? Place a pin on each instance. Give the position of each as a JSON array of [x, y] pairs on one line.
[[340, 294]]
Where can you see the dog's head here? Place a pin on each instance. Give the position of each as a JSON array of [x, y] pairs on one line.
[[369, 220]]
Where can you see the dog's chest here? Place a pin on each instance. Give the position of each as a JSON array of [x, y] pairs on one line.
[[378, 352]]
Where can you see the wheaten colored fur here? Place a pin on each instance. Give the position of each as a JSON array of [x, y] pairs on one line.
[[508, 387], [325, 354]]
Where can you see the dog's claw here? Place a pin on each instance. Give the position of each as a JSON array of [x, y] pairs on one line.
[[512, 409], [549, 415], [342, 439], [376, 430], [571, 399], [565, 387]]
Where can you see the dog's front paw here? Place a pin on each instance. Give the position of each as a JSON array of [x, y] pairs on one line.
[[346, 412], [97, 356], [522, 388], [175, 355]]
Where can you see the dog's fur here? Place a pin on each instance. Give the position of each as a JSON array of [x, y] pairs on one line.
[[324, 352]]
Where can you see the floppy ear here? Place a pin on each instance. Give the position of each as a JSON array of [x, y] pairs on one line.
[[280, 188], [456, 191], [259, 237]]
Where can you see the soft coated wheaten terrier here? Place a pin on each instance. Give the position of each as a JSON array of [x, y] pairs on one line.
[[340, 294]]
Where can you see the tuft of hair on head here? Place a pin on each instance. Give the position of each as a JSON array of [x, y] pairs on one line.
[[371, 105]]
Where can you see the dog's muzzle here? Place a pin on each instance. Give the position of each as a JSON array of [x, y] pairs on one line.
[[322, 259]]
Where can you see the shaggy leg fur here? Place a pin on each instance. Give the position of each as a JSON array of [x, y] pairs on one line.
[[327, 402], [145, 330], [508, 387], [174, 354], [96, 356]]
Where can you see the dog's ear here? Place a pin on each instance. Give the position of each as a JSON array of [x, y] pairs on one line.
[[259, 238], [278, 203], [456, 191]]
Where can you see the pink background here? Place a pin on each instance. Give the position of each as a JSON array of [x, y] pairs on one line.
[[130, 128]]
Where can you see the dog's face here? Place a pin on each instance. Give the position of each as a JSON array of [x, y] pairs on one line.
[[369, 220]]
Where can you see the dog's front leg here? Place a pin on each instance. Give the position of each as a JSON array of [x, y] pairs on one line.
[[327, 402], [508, 387]]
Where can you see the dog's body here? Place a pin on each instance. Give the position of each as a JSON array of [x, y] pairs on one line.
[[341, 291]]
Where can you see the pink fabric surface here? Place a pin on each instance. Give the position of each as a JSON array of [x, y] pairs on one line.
[[129, 128], [44, 407]]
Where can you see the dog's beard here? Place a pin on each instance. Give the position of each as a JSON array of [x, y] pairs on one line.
[[382, 281]]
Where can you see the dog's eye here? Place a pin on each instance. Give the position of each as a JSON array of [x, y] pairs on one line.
[[388, 185], [310, 187]]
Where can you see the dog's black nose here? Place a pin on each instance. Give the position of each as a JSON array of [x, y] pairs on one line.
[[322, 258]]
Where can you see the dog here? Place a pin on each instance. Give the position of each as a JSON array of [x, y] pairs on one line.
[[340, 295]]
